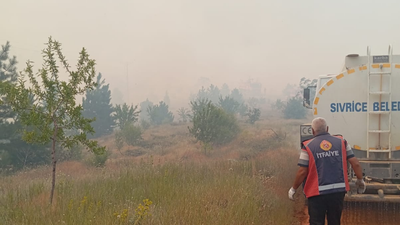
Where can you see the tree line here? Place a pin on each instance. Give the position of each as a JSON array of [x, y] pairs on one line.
[[42, 123]]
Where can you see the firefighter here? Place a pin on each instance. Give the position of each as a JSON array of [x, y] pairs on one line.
[[323, 171]]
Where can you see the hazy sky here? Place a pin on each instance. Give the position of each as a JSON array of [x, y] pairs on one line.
[[148, 47]]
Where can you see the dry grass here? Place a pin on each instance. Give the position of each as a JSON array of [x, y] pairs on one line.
[[244, 182]]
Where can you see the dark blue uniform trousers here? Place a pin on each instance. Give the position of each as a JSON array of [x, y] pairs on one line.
[[329, 205]]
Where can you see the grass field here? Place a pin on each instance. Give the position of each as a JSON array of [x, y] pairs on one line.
[[172, 182]]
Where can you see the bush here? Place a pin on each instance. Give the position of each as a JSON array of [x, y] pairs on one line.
[[254, 115], [130, 135], [144, 124], [99, 160], [160, 114], [119, 140], [212, 125]]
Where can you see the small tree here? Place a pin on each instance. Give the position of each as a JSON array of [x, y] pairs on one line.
[[54, 109], [198, 105], [279, 105], [225, 91], [117, 97], [213, 93], [183, 114], [125, 115], [212, 125], [202, 94], [97, 104], [143, 110], [229, 104], [254, 115], [131, 134], [237, 96], [160, 114], [166, 98]]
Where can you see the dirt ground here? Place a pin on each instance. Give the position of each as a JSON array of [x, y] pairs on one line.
[[360, 213]]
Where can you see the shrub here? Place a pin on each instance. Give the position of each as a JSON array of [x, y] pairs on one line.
[[99, 160], [130, 135], [119, 140], [212, 125], [254, 115], [144, 124]]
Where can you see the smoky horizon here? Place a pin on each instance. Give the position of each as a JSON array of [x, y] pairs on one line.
[[145, 49]]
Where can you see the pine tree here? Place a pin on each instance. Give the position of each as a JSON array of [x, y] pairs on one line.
[[8, 73], [166, 99], [213, 94], [160, 114], [143, 116], [126, 115], [237, 96], [14, 152], [97, 104], [225, 91], [229, 105]]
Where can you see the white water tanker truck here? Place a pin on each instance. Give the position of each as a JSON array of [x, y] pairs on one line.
[[362, 103]]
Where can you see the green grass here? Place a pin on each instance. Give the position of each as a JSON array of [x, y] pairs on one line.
[[217, 192], [244, 182]]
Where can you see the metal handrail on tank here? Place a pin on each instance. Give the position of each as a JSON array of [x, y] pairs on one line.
[[368, 96]]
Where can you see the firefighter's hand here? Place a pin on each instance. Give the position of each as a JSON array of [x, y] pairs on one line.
[[361, 187], [291, 193]]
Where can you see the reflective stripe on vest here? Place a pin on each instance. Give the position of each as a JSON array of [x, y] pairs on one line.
[[331, 186]]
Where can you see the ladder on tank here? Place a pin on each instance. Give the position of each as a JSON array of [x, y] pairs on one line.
[[384, 61]]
